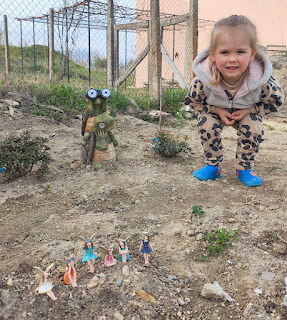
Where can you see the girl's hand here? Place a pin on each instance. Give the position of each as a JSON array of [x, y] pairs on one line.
[[225, 116], [240, 114]]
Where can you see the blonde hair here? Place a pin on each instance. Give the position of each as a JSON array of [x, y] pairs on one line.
[[234, 21]]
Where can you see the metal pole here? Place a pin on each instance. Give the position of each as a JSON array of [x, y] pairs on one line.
[[21, 35], [126, 54], [173, 44], [193, 18], [67, 45], [7, 56], [48, 41], [51, 46], [34, 51], [89, 36]]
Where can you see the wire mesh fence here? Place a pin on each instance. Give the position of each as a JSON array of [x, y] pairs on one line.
[[93, 43]]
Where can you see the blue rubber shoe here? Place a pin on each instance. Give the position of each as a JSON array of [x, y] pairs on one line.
[[248, 178], [208, 173]]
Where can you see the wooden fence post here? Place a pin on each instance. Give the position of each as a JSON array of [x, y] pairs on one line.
[[7, 56], [51, 46], [155, 50], [110, 43], [193, 25]]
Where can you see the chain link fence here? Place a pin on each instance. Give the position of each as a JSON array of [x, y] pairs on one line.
[[84, 50]]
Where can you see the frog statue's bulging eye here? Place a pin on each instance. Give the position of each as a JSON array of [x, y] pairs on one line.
[[91, 93], [102, 125], [106, 93]]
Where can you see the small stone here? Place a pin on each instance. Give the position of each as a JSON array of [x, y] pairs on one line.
[[198, 237], [181, 301], [211, 291], [118, 316], [77, 202], [268, 276], [119, 282], [258, 291], [169, 277], [279, 248], [93, 282], [5, 297], [10, 282], [126, 271]]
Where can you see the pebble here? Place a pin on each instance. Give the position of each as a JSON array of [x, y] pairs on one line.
[[93, 282], [126, 271], [198, 237], [181, 301], [169, 277], [118, 316], [258, 291], [5, 297], [268, 276], [119, 282], [77, 202], [10, 282]]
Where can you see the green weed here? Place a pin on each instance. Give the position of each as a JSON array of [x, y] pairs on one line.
[[197, 211], [168, 145], [218, 241]]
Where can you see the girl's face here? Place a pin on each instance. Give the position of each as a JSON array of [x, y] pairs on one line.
[[232, 54], [145, 238], [122, 244], [89, 244]]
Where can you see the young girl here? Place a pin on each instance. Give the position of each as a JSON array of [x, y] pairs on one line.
[[234, 87], [123, 252], [89, 255], [145, 248]]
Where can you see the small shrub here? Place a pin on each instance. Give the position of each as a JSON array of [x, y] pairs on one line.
[[168, 145], [19, 155], [197, 211], [219, 241]]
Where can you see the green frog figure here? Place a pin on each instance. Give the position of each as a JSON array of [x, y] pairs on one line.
[[98, 142]]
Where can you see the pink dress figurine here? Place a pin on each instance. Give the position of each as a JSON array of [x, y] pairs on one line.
[[109, 259]]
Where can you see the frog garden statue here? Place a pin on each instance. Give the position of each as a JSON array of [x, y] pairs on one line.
[[98, 142]]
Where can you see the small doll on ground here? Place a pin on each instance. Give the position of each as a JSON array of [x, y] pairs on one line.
[[70, 276], [89, 255], [145, 248], [234, 87], [45, 286], [109, 259], [123, 251]]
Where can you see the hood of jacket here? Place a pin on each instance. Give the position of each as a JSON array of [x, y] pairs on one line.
[[260, 70]]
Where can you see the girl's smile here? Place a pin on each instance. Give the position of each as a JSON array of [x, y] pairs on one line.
[[232, 54]]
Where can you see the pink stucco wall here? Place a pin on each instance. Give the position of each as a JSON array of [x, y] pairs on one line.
[[268, 16]]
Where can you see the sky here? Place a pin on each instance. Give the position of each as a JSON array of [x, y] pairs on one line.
[[29, 8]]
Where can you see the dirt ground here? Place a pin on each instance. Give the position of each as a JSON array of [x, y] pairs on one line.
[[144, 192]]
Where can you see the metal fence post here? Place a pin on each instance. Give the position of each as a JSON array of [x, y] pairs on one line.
[[51, 46], [7, 56], [34, 48]]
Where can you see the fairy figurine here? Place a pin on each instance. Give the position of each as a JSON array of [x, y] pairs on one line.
[[145, 248], [123, 251], [45, 286], [70, 276], [89, 255], [109, 258]]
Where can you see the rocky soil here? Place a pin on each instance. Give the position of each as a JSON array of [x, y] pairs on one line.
[[144, 192]]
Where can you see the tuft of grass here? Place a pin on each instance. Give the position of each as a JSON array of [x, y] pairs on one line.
[[269, 127]]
